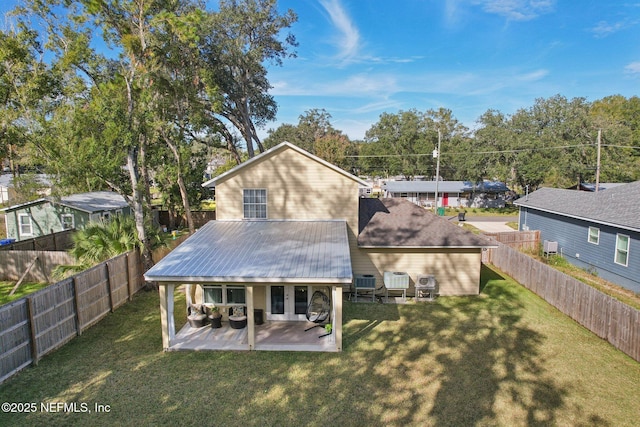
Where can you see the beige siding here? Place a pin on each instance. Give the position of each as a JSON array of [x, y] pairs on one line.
[[457, 271], [298, 187]]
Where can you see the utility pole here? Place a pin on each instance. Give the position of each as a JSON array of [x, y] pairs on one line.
[[436, 154], [598, 160]]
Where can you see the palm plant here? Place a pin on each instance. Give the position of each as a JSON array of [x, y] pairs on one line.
[[99, 241]]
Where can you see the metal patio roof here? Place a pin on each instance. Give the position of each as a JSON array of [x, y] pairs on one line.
[[242, 251]]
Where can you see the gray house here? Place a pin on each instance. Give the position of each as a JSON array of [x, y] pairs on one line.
[[50, 215], [485, 194], [597, 231]]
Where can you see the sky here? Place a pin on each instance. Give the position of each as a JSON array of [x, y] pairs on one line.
[[358, 59]]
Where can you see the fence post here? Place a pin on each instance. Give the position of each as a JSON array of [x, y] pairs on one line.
[[32, 332], [129, 277], [110, 285], [76, 306]]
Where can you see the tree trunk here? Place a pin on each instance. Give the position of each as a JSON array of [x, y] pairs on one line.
[[181, 185]]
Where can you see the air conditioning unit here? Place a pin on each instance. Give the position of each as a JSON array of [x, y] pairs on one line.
[[550, 247], [365, 283], [426, 287], [396, 280]]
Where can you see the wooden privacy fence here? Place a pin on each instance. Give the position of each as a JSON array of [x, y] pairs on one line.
[[602, 314], [35, 325], [60, 241], [522, 240], [15, 264]]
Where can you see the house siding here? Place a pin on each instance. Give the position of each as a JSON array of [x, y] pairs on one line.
[[298, 187], [572, 237], [456, 271], [46, 218]]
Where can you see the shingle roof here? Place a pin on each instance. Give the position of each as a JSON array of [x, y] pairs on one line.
[[264, 251], [399, 223], [617, 206]]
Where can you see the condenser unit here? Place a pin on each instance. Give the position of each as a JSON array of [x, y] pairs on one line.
[[396, 280], [366, 283], [426, 287]]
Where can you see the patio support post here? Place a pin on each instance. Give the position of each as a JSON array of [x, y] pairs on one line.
[[166, 315], [337, 315], [251, 333]]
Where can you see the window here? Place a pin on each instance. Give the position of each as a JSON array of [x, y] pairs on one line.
[[224, 295], [622, 249], [213, 294], [236, 295], [255, 203], [68, 221], [24, 222], [594, 235]]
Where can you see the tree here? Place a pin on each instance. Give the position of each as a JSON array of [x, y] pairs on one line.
[[245, 36], [27, 86], [405, 142], [315, 134]]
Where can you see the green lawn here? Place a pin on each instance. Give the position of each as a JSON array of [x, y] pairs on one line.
[[23, 290], [505, 358]]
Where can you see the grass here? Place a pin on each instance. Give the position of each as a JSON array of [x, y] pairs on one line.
[[622, 294], [23, 290], [505, 358]]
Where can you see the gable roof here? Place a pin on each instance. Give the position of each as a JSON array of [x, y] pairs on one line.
[[398, 223], [274, 151], [96, 201], [617, 206], [274, 251]]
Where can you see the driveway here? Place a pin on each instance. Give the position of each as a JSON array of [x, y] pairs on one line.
[[491, 224]]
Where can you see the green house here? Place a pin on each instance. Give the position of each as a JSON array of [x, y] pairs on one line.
[[50, 215]]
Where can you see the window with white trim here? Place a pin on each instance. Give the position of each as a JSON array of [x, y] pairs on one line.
[[68, 221], [622, 249], [254, 202], [24, 222], [227, 295], [594, 235]]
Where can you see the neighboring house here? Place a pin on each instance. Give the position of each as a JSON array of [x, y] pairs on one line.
[[289, 224], [597, 231], [586, 186], [7, 189], [50, 215], [486, 194]]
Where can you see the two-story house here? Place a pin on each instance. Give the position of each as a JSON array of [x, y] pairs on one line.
[[289, 224]]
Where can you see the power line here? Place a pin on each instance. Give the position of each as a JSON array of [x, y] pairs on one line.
[[517, 150]]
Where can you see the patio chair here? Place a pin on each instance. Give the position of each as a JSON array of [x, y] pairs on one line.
[[319, 311]]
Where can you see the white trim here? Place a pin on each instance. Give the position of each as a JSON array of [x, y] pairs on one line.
[[615, 253], [289, 303], [68, 215], [266, 204], [597, 242], [212, 182], [28, 216]]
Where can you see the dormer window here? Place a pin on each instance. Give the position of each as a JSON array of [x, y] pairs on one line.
[[255, 203]]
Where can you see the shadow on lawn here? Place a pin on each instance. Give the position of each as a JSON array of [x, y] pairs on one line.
[[456, 361]]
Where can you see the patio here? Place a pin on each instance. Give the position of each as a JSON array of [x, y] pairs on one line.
[[271, 335]]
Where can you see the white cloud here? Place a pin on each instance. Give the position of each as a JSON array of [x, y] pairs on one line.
[[633, 68], [604, 28], [348, 39], [518, 10]]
